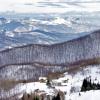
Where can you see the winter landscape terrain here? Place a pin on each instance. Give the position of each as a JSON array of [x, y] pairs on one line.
[[49, 50], [20, 29]]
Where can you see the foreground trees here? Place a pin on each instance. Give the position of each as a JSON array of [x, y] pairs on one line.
[[88, 85], [30, 97], [56, 97]]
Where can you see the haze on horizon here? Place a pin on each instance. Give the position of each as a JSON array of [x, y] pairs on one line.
[[49, 6]]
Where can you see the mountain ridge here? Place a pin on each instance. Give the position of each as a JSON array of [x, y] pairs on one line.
[[55, 53], [60, 43]]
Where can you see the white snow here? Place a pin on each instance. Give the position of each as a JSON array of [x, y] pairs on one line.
[[72, 81], [91, 95], [30, 87], [9, 34]]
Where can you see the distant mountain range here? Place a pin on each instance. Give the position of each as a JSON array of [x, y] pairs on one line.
[[37, 30]]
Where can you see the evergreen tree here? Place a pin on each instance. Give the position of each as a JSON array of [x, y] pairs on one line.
[[84, 85], [87, 85], [98, 85], [58, 97]]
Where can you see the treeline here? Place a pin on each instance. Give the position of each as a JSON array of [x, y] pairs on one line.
[[28, 72], [88, 85], [33, 96]]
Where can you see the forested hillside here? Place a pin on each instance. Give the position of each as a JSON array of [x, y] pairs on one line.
[[83, 48], [34, 60]]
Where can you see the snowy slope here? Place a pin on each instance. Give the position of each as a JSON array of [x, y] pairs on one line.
[[91, 95], [74, 80]]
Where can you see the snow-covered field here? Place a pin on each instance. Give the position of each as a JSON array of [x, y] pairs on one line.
[[71, 84], [91, 95]]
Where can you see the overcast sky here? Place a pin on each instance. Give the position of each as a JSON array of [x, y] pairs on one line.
[[49, 6]]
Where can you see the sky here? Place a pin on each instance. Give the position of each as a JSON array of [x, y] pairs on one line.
[[49, 6]]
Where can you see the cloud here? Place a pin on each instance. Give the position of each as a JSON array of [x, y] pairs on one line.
[[49, 6]]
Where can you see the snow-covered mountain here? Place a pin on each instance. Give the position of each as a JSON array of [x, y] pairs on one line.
[[20, 29]]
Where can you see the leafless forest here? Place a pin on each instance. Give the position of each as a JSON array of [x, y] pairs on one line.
[[32, 61]]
